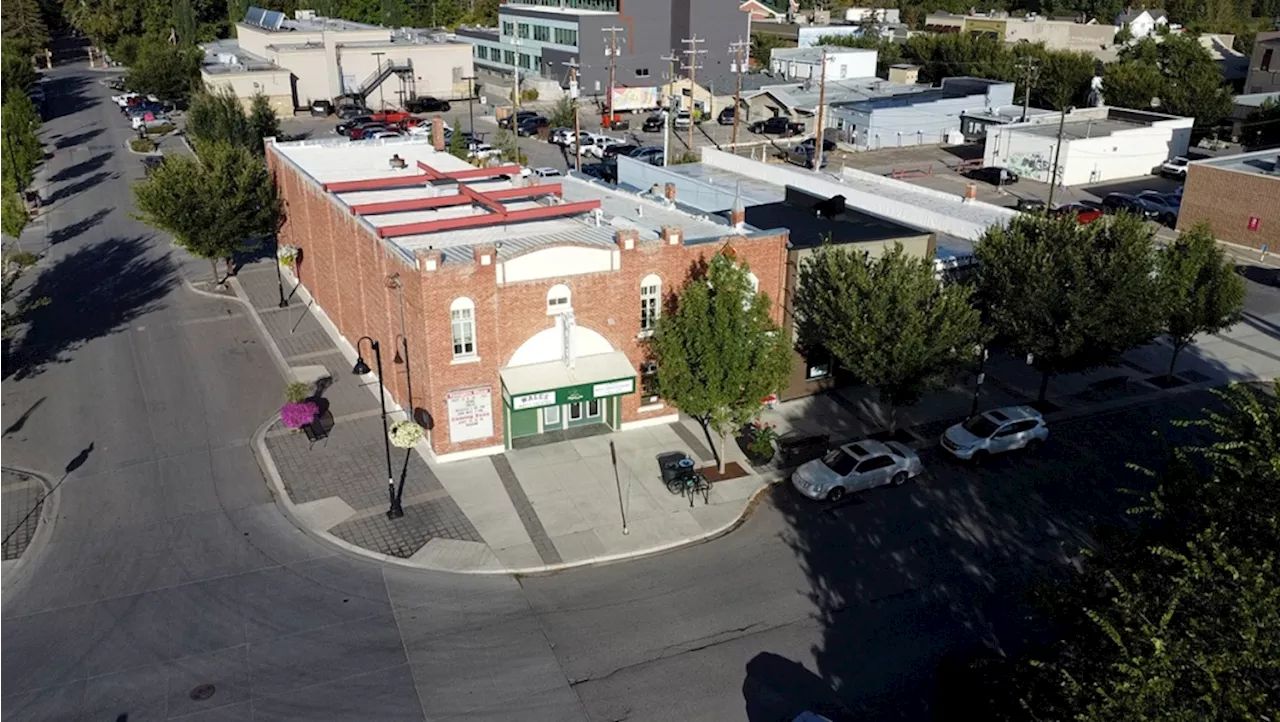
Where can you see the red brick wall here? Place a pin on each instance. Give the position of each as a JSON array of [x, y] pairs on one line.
[[1226, 199], [344, 267]]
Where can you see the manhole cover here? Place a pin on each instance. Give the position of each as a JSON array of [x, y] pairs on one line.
[[202, 692]]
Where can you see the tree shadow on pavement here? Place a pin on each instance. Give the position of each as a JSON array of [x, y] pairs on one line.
[[73, 230], [68, 141], [66, 96], [79, 186], [948, 565], [92, 292], [88, 165]]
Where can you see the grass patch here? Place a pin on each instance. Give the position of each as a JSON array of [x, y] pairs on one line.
[[142, 145]]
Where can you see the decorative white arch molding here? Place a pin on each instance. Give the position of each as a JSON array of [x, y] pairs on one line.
[[548, 345]]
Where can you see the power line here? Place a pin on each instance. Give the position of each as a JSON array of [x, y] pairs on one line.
[[612, 52], [692, 67]]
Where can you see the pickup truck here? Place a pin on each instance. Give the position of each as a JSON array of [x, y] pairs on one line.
[[776, 125]]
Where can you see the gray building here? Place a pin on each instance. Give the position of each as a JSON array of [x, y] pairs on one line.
[[539, 36], [918, 118]]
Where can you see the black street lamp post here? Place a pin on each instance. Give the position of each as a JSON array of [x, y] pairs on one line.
[[360, 369], [284, 302]]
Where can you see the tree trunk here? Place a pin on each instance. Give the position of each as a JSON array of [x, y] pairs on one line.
[[1044, 385], [213, 262], [720, 454], [1173, 362]]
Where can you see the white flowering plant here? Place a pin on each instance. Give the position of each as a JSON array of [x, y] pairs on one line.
[[405, 434]]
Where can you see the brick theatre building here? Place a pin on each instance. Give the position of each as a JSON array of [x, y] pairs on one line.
[[1238, 196], [526, 303]]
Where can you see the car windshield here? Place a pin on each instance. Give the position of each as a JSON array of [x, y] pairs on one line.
[[980, 426], [839, 462]]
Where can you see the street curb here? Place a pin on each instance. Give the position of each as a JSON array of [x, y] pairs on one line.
[[17, 573], [267, 463]]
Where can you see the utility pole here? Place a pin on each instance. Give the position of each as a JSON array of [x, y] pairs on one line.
[[612, 52], [738, 49], [822, 109], [692, 67], [577, 125], [515, 97], [1057, 153], [1030, 70], [666, 117], [471, 104]]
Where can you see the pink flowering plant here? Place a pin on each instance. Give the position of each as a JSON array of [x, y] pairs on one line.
[[297, 414]]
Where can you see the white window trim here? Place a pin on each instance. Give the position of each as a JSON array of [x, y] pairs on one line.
[[559, 292], [463, 304], [654, 281]]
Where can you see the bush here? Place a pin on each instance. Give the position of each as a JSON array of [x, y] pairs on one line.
[[297, 392], [142, 145], [762, 436], [160, 129], [686, 157], [530, 94]]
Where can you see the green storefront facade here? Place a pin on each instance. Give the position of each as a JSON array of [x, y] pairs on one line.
[[552, 397]]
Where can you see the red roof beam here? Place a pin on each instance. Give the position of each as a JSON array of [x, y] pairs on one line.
[[411, 204], [375, 184], [481, 199], [487, 219], [471, 173]]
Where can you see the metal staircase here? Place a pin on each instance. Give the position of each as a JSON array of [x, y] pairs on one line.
[[401, 68]]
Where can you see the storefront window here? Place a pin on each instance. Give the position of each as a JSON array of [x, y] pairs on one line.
[[649, 382]]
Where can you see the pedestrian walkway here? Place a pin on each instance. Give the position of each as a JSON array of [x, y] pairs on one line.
[[531, 509], [21, 499]]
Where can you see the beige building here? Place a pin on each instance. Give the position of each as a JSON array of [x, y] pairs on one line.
[[294, 62], [1264, 64], [1088, 36]]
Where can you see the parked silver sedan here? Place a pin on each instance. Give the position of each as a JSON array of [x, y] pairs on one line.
[[855, 467]]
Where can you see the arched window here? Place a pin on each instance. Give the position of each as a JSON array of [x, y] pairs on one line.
[[463, 313], [558, 299], [754, 281], [650, 301]]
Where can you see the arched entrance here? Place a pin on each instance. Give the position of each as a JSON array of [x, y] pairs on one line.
[[564, 382]]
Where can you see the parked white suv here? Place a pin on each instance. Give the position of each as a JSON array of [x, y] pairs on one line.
[[995, 432], [1176, 167]]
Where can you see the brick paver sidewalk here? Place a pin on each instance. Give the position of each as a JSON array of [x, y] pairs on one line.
[[343, 478], [22, 498]]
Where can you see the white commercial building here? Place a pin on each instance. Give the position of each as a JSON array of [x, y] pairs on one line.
[[806, 63], [1098, 144], [295, 61]]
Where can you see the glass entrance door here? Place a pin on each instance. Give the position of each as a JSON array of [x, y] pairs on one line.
[[550, 418]]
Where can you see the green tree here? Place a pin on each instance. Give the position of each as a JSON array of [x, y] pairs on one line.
[[1063, 78], [1131, 84], [184, 23], [561, 115], [1072, 297], [762, 44], [22, 151], [263, 122], [719, 352], [1199, 289], [1178, 71], [24, 27], [171, 72], [457, 143], [217, 116], [1261, 128], [214, 205], [887, 320], [18, 72], [13, 212], [1123, 35], [888, 52]]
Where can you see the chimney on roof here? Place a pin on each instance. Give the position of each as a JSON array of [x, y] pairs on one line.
[[437, 133], [672, 235], [484, 255], [738, 216], [429, 260], [626, 238]]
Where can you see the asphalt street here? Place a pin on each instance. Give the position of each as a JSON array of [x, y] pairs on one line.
[[170, 568]]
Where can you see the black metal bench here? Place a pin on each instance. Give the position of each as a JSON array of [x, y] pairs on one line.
[[315, 431]]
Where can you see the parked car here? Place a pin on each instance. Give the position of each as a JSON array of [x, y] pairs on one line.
[[995, 432], [379, 134], [483, 151], [151, 162], [560, 136], [1161, 207], [1030, 205], [123, 99], [994, 175], [345, 127], [683, 119], [321, 108], [776, 125], [1118, 202], [1176, 167], [805, 155], [607, 172], [617, 149], [531, 126], [148, 121], [1084, 213], [856, 467], [512, 121], [654, 123], [426, 104], [350, 111], [360, 132], [827, 145], [725, 117], [547, 172], [653, 155]]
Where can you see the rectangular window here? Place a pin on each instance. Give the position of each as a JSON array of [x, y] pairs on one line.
[[642, 72], [551, 418], [542, 33], [566, 36], [648, 307], [508, 29], [593, 409], [524, 61], [464, 332], [482, 52], [509, 57], [1266, 59], [816, 370], [649, 382], [523, 30]]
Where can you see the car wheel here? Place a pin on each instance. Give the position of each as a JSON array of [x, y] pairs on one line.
[[1034, 445], [899, 478], [836, 494]]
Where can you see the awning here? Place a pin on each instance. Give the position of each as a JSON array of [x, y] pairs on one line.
[[551, 383]]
